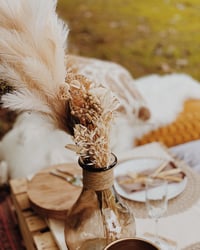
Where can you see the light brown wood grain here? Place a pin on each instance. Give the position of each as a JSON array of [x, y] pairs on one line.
[[44, 241], [28, 221], [51, 196]]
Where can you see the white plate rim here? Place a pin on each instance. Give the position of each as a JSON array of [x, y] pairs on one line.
[[174, 189]]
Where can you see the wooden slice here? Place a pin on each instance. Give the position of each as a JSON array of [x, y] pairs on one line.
[[51, 196]]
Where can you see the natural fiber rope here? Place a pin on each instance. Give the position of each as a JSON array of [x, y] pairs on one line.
[[98, 180], [178, 204]]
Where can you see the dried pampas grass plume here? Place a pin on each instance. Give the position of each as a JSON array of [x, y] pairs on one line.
[[32, 64], [32, 56]]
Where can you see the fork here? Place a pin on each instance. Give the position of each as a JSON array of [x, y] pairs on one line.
[[75, 180]]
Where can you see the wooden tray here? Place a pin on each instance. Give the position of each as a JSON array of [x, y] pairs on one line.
[[51, 196]]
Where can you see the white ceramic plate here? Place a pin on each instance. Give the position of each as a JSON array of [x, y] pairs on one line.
[[138, 165]]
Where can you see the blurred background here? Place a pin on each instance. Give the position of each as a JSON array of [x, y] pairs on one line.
[[145, 36]]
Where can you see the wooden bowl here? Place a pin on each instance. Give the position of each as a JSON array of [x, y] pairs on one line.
[[130, 244]]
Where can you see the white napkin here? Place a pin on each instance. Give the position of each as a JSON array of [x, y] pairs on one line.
[[57, 228], [182, 228]]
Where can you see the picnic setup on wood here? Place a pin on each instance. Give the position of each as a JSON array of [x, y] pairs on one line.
[[96, 160]]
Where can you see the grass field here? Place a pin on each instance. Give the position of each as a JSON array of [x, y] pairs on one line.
[[145, 36]]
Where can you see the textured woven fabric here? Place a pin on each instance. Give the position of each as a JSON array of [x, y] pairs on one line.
[[10, 237], [184, 129]]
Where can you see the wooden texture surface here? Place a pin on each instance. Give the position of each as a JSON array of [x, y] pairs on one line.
[[51, 196], [34, 229]]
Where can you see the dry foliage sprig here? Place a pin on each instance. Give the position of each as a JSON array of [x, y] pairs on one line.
[[92, 109]]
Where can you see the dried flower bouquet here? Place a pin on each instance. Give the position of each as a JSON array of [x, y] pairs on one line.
[[91, 110]]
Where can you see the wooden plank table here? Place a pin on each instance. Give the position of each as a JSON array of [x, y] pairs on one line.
[[34, 229]]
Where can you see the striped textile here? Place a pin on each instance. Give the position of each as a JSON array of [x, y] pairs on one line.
[[10, 237]]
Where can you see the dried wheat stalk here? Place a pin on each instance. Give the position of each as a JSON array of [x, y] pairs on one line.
[[91, 107]]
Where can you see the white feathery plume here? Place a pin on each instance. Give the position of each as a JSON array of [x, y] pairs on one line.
[[24, 100], [32, 56], [32, 62]]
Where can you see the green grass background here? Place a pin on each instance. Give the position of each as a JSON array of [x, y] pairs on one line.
[[145, 36]]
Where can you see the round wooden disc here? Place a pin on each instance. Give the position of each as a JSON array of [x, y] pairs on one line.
[[51, 196]]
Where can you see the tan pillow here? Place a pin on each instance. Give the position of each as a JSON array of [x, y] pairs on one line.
[[184, 129], [115, 77]]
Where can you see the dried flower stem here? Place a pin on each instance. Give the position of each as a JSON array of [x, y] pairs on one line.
[[91, 107]]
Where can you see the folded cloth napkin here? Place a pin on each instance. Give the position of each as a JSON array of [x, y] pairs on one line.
[[133, 182]]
